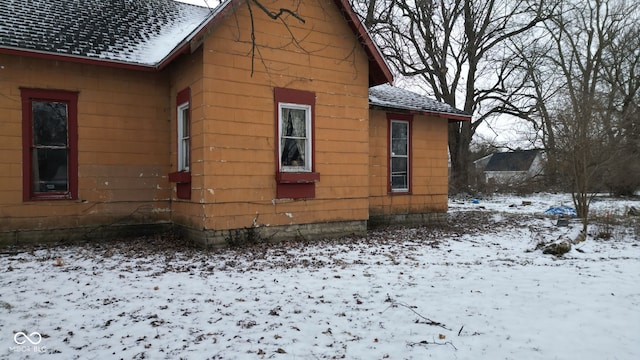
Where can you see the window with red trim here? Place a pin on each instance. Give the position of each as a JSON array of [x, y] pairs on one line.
[[49, 144], [182, 177], [295, 137], [295, 115], [399, 153]]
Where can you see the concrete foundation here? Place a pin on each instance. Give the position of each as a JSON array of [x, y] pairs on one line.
[[245, 236], [423, 219], [80, 234]]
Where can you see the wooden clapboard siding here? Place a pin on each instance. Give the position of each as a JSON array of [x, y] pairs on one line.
[[429, 181], [240, 160], [186, 72], [122, 145], [430, 172]]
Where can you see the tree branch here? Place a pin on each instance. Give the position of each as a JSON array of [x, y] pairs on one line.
[[274, 16]]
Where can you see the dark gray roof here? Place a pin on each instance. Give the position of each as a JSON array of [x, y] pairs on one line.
[[131, 31], [512, 161], [388, 96]]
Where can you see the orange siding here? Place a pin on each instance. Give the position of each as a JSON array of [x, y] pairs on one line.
[[429, 182], [127, 133], [186, 72], [122, 151], [240, 131]]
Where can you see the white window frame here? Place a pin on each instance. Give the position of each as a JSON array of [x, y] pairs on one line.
[[392, 155], [184, 141], [308, 158]]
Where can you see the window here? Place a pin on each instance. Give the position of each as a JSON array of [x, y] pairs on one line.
[[294, 116], [184, 130], [49, 144], [182, 177], [399, 153], [295, 139]]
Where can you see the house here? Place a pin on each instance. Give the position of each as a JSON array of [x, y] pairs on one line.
[[408, 176], [124, 117], [509, 168]]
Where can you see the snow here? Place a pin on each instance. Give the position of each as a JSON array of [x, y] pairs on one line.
[[475, 289], [159, 45]]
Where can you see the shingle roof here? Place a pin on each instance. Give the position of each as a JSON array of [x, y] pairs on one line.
[[512, 161], [387, 96], [131, 31], [147, 33]]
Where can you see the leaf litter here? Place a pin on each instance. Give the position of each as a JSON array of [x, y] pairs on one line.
[[475, 287]]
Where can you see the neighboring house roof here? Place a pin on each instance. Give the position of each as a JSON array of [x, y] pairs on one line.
[[131, 33], [389, 97], [512, 161]]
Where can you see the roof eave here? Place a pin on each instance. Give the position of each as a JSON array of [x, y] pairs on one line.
[[77, 59], [452, 117], [379, 72], [200, 35], [197, 36]]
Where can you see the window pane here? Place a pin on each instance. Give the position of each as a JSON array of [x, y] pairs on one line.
[[399, 130], [183, 137], [185, 154], [399, 179], [399, 182], [50, 170], [293, 152], [49, 123], [185, 123], [399, 155], [294, 142], [399, 138], [399, 147], [295, 123]]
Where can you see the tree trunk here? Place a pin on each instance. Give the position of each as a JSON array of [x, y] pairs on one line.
[[459, 141]]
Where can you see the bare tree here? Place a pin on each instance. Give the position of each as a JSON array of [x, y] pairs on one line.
[[455, 49], [621, 74], [583, 89]]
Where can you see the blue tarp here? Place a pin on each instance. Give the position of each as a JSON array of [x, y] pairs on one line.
[[561, 210]]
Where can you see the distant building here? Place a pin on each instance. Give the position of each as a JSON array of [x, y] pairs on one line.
[[509, 168]]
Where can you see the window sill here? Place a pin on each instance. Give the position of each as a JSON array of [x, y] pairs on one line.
[[51, 196], [298, 177], [180, 177]]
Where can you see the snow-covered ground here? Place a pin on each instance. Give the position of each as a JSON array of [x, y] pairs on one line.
[[473, 289]]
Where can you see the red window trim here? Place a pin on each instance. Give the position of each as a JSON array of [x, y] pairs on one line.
[[298, 178], [71, 98], [183, 96], [182, 178], [409, 119], [295, 185]]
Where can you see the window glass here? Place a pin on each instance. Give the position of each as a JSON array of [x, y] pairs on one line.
[[294, 139], [399, 138], [399, 156], [49, 144], [183, 137], [50, 152]]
